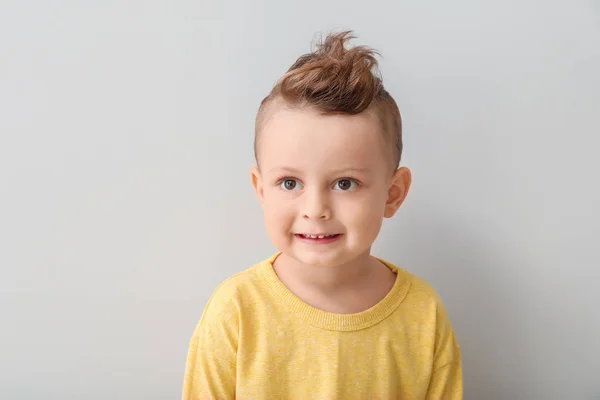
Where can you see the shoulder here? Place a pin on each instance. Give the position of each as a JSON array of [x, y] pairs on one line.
[[424, 307], [220, 319], [421, 296], [232, 289], [241, 294], [422, 290], [418, 289]]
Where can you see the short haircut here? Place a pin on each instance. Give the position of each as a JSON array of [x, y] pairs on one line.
[[336, 80]]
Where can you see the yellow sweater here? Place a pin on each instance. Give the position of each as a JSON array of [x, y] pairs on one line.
[[257, 340]]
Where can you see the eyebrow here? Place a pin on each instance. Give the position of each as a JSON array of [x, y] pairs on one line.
[[337, 171]]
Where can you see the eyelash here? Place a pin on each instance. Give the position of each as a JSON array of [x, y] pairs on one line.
[[281, 180]]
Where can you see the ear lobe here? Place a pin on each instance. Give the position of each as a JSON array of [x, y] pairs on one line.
[[398, 190], [257, 183]]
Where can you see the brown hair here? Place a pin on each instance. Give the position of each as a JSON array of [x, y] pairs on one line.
[[336, 80]]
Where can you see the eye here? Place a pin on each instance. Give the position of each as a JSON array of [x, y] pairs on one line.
[[290, 184], [346, 185]]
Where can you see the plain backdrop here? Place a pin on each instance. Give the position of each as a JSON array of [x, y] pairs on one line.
[[126, 132]]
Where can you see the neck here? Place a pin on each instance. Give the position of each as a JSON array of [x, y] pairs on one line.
[[346, 275]]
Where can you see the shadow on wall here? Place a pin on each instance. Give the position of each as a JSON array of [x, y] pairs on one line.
[[474, 274]]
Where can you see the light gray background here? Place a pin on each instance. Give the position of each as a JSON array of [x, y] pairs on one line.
[[126, 138]]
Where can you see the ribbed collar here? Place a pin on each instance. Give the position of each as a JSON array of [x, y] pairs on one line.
[[333, 321]]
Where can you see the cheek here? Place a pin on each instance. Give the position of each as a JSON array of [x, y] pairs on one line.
[[277, 213], [366, 213]]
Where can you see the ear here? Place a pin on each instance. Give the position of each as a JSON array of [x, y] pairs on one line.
[[257, 183], [398, 190]]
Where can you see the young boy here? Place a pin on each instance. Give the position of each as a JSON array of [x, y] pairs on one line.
[[323, 319]]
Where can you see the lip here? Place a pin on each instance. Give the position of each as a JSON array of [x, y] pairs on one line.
[[325, 240]]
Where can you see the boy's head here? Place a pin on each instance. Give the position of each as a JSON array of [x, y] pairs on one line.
[[328, 145]]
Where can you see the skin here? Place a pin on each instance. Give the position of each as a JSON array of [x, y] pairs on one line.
[[328, 174]]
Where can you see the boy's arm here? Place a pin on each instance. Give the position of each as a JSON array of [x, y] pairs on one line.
[[210, 371], [446, 378], [446, 382]]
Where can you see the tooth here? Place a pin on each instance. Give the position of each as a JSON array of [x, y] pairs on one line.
[[321, 237]]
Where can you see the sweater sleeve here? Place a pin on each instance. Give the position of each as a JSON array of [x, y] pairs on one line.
[[210, 371], [446, 379], [446, 382]]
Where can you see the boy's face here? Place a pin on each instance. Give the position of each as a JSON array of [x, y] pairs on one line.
[[325, 176]]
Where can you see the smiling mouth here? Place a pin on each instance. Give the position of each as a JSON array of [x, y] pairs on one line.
[[318, 238]]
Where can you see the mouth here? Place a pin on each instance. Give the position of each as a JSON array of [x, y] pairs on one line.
[[320, 238], [317, 235]]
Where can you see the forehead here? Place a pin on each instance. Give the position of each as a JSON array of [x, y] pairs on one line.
[[304, 138]]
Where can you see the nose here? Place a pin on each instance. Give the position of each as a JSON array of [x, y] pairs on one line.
[[316, 206]]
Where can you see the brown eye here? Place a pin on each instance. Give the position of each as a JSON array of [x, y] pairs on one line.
[[290, 184], [345, 184]]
